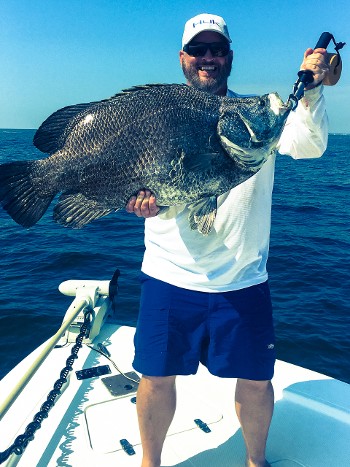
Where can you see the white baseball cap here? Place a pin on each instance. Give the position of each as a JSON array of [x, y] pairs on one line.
[[204, 22]]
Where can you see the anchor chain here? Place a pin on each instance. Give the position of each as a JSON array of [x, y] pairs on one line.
[[22, 441]]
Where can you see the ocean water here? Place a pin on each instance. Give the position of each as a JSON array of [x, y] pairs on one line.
[[308, 265]]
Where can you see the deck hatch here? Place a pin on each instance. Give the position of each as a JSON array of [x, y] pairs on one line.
[[119, 420], [121, 385]]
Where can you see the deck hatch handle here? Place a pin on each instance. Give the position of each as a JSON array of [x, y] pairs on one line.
[[127, 447], [202, 425]]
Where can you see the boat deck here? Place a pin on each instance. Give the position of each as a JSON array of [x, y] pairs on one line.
[[310, 427]]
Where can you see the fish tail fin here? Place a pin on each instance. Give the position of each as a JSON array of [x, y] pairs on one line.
[[25, 201]]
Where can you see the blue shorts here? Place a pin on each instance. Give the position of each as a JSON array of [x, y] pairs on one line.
[[231, 333]]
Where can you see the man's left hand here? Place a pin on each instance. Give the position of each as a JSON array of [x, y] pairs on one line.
[[143, 205]]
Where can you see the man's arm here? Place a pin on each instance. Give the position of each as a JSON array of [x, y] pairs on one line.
[[306, 132]]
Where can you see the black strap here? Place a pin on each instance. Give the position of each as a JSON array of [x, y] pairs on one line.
[[113, 290]]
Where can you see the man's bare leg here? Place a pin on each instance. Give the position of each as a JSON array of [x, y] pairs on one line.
[[254, 407], [156, 402]]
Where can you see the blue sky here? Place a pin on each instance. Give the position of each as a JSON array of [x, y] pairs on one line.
[[59, 52]]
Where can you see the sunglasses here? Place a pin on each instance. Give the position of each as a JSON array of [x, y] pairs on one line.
[[199, 49]]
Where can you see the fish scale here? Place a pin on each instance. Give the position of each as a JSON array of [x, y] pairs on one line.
[[185, 145]]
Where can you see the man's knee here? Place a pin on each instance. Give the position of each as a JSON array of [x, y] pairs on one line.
[[248, 385], [158, 382]]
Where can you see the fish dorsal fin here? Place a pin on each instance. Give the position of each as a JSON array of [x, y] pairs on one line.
[[202, 214], [142, 87], [52, 133]]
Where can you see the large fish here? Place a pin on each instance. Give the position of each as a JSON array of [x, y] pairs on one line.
[[186, 146]]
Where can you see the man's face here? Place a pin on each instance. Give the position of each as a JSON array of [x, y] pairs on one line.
[[208, 73]]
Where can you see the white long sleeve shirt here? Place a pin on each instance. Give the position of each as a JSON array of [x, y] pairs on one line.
[[234, 255]]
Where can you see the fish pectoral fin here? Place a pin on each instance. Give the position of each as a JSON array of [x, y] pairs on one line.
[[198, 162], [202, 214], [76, 210], [169, 212], [163, 211]]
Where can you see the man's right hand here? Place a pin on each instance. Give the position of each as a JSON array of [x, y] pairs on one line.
[[143, 205]]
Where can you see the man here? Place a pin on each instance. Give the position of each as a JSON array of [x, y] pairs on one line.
[[206, 298]]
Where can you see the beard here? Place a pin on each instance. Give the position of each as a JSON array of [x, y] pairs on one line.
[[211, 85]]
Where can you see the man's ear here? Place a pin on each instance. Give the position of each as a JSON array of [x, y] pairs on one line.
[[181, 54]]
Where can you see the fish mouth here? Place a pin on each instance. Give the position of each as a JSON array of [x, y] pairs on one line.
[[276, 104], [258, 149], [279, 109]]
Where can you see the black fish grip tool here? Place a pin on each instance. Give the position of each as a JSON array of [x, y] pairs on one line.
[[306, 77]]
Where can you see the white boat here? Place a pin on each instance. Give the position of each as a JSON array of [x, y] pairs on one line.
[[93, 420]]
